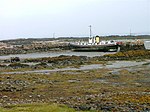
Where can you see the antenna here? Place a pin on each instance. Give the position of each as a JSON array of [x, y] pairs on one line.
[[90, 31], [53, 35], [130, 33]]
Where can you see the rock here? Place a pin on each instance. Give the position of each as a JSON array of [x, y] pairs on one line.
[[18, 65], [13, 85], [38, 96], [5, 96], [84, 107], [106, 108]]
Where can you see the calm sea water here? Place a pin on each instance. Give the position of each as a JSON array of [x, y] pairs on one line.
[[54, 54]]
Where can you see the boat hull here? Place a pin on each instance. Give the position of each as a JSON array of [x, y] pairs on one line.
[[103, 48]]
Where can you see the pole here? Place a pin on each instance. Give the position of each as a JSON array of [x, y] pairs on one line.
[[130, 33], [53, 35], [90, 31]]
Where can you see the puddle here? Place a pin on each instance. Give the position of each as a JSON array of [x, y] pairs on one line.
[[84, 67], [123, 64], [105, 81], [100, 81], [114, 65], [73, 80]]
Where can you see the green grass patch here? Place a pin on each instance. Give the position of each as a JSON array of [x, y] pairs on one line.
[[37, 108]]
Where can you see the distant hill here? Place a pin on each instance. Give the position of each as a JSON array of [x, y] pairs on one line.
[[31, 40], [71, 39]]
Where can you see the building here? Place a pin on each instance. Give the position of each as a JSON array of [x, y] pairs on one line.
[[147, 45]]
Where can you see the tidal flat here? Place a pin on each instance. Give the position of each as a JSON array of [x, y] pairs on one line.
[[111, 85]]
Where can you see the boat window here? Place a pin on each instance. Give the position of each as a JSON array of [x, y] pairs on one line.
[[111, 41]]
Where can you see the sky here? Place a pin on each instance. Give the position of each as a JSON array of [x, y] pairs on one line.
[[71, 18]]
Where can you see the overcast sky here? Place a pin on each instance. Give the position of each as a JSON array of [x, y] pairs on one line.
[[43, 18]]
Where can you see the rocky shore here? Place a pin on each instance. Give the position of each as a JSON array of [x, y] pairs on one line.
[[128, 55], [58, 47], [102, 89], [33, 50]]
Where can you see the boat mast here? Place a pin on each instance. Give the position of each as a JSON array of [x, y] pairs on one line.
[[91, 40], [90, 31]]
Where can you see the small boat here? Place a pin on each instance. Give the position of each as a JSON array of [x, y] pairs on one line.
[[94, 44]]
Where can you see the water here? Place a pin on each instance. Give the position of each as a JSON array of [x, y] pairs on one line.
[[84, 67], [54, 54], [123, 64], [115, 65]]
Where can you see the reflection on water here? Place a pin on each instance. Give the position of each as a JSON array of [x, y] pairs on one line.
[[54, 54]]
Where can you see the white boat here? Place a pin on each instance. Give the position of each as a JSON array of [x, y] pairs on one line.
[[95, 44]]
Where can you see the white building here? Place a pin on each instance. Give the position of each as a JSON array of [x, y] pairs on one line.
[[147, 45]]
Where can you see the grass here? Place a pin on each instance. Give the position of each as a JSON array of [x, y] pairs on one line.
[[37, 108]]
